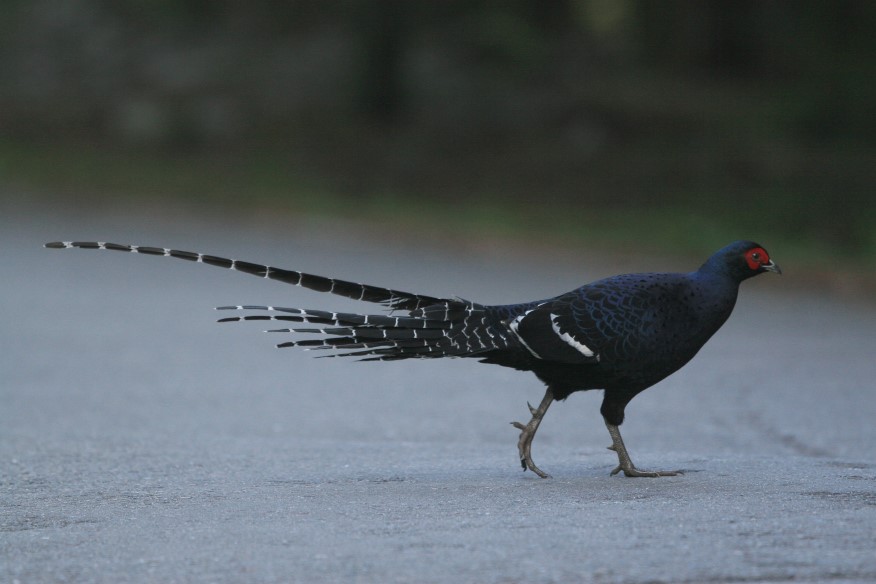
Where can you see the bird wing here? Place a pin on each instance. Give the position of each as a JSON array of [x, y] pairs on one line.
[[622, 318], [550, 333]]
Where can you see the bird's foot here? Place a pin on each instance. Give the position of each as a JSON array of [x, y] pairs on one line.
[[524, 447], [632, 471], [527, 433], [625, 464]]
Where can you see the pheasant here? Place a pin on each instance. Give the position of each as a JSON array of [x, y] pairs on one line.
[[621, 334]]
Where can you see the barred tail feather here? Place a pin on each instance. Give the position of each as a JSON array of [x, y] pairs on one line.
[[365, 292], [433, 327], [382, 337], [336, 318]]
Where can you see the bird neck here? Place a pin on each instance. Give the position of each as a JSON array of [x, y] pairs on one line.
[[717, 287]]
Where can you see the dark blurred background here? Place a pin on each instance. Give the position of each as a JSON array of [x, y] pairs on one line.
[[674, 124]]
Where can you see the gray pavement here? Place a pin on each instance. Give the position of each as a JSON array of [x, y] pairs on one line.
[[141, 442]]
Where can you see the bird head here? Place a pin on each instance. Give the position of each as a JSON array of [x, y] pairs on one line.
[[742, 260]]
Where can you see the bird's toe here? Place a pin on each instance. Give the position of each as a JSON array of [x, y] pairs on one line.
[[632, 471]]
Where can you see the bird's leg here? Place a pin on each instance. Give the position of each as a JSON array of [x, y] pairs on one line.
[[527, 433], [625, 463]]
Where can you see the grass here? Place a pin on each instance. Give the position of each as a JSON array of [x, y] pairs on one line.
[[691, 225]]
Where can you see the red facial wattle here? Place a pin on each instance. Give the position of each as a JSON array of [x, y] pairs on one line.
[[757, 258]]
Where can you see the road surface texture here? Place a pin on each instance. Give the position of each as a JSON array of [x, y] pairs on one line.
[[142, 442]]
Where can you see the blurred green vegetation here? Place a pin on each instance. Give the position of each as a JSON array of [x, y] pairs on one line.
[[256, 181], [675, 125]]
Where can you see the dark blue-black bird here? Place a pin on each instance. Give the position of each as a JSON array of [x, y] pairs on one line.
[[622, 334]]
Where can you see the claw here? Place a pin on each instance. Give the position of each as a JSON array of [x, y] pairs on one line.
[[527, 433], [625, 464], [524, 447], [634, 472]]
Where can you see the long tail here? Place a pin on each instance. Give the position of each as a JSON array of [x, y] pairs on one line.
[[465, 330], [394, 299], [433, 327]]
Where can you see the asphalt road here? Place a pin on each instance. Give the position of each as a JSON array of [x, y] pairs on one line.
[[142, 442]]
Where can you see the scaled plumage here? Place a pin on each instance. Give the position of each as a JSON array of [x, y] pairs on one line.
[[622, 334]]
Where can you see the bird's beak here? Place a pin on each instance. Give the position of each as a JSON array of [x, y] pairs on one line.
[[772, 267]]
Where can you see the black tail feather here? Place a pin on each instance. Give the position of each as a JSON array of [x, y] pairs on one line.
[[389, 337], [365, 292], [339, 318], [433, 327]]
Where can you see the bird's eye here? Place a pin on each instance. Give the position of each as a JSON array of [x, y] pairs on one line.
[[755, 256]]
